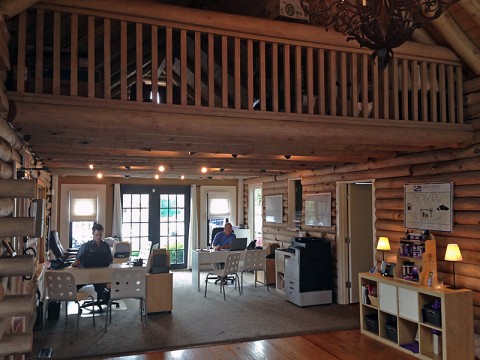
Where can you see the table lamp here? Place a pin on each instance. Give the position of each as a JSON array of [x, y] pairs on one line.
[[453, 254], [383, 245]]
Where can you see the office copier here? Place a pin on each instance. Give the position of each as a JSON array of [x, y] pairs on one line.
[[308, 272]]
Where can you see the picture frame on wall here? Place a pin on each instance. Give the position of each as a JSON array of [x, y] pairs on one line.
[[274, 209], [428, 206], [318, 209]]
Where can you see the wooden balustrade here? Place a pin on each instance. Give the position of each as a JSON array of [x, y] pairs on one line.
[[167, 62]]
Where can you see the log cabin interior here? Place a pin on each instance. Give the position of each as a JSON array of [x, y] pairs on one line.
[[98, 95]]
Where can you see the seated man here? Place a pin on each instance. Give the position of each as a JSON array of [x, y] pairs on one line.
[[95, 246], [223, 239]]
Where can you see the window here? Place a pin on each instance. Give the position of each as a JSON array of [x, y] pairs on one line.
[[82, 215], [135, 219], [218, 211], [257, 215]]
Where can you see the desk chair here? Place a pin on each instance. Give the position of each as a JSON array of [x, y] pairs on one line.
[[58, 250], [254, 261], [231, 268], [60, 286], [128, 284]]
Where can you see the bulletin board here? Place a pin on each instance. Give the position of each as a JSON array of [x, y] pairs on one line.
[[429, 206], [274, 209]]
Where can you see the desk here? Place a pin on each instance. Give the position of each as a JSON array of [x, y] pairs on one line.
[[207, 258], [94, 275]]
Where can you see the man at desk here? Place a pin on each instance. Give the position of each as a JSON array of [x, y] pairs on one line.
[[223, 239], [95, 246]]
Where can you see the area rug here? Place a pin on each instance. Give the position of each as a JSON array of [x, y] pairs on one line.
[[195, 320]]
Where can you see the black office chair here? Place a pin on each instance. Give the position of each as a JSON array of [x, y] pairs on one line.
[[58, 250]]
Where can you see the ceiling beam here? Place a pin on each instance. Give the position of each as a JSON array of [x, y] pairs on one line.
[[10, 8]]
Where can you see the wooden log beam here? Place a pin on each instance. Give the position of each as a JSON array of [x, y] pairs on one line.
[[17, 188], [458, 41], [7, 133], [20, 265], [10, 8], [17, 226], [117, 118], [4, 39]]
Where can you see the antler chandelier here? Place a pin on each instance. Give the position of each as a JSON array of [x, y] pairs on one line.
[[380, 25]]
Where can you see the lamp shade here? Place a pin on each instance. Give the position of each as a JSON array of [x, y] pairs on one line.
[[383, 243], [453, 253]]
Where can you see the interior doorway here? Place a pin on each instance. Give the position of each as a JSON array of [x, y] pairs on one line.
[[355, 221]]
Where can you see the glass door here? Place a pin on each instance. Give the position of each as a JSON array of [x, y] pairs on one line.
[[160, 214]]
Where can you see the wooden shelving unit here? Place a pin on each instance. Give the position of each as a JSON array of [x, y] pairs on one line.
[[424, 261], [399, 318]]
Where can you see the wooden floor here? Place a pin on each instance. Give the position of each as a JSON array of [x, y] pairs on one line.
[[342, 345]]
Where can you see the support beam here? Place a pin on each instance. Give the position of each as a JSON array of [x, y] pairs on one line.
[[458, 41]]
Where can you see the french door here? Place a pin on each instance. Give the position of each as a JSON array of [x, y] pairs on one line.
[[160, 214]]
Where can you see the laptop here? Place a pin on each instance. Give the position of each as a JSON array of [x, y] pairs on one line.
[[98, 259], [238, 244]]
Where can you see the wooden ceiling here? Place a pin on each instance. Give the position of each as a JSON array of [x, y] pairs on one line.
[[227, 155]]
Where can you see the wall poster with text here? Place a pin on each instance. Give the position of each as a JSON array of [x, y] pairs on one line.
[[429, 206]]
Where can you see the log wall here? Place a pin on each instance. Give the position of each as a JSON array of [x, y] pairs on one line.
[[462, 167], [17, 293]]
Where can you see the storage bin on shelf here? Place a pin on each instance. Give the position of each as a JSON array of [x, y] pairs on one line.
[[432, 314], [373, 300], [372, 323], [391, 331]]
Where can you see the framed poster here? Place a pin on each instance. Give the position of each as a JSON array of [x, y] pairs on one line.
[[274, 209], [429, 206], [318, 209]]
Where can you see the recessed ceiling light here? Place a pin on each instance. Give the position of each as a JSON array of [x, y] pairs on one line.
[[157, 176], [204, 169], [99, 175], [161, 168], [182, 177], [91, 166]]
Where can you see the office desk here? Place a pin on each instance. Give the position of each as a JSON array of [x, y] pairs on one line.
[[95, 275], [207, 258]]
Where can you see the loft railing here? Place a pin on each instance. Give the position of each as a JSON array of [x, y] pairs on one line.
[[87, 55]]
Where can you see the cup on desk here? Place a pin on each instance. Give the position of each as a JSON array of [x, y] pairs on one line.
[[439, 285]]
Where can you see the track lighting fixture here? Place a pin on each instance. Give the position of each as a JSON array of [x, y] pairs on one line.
[[287, 156], [234, 155], [192, 152], [222, 170]]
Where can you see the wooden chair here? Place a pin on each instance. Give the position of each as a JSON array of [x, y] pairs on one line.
[[231, 268], [254, 261], [128, 284], [60, 286]]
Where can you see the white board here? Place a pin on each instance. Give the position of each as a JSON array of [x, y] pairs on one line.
[[429, 206]]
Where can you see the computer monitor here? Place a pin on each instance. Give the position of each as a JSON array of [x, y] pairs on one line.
[[238, 244], [97, 259]]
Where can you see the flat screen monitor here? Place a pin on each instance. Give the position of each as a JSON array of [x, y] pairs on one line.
[[238, 244], [97, 259]]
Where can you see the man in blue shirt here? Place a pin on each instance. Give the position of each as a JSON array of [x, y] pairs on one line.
[[95, 246], [223, 239]]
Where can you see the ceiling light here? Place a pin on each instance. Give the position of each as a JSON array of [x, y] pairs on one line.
[[234, 155], [191, 152], [204, 169], [99, 175], [380, 25], [182, 177], [287, 156], [157, 176], [127, 167], [222, 170], [91, 166], [161, 168]]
